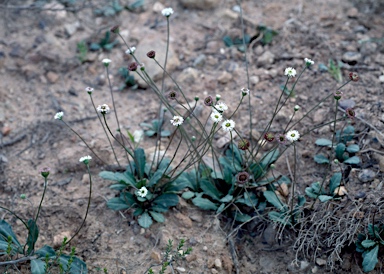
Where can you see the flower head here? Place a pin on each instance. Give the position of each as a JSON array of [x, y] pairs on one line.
[[89, 90], [115, 29], [216, 116], [337, 94], [308, 62], [242, 177], [177, 120], [167, 12], [290, 72], [228, 125], [103, 109], [172, 95], [59, 115], [296, 108], [208, 101], [243, 144], [131, 50], [106, 62], [85, 159], [132, 66], [281, 139], [269, 136], [23, 196], [244, 92], [142, 192], [354, 76], [292, 136], [151, 54], [221, 106], [218, 97], [45, 171], [350, 113]]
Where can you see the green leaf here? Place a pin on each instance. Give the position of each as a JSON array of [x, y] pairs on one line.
[[314, 190], [242, 218], [94, 47], [77, 266], [354, 160], [125, 201], [167, 200], [204, 203], [220, 209], [187, 180], [346, 135], [165, 133], [249, 199], [334, 182], [156, 177], [339, 150], [324, 198], [274, 200], [301, 200], [368, 243], [123, 178], [228, 41], [210, 189], [118, 186], [37, 266], [353, 148], [46, 250], [269, 158], [257, 170], [136, 4], [158, 217], [321, 159], [370, 259], [279, 217], [159, 208], [139, 155], [5, 231], [188, 195], [226, 198], [145, 220], [33, 234], [323, 142]]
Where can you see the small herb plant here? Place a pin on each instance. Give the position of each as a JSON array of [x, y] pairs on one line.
[[151, 129], [369, 245], [129, 79], [344, 150], [104, 44], [316, 190]]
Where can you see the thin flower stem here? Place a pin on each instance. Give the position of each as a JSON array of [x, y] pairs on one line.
[[42, 198], [14, 214], [115, 110], [81, 138], [88, 205], [293, 182], [241, 100], [109, 140]]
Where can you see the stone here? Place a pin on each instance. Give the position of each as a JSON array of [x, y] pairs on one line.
[[158, 7], [196, 217], [181, 269], [199, 61], [267, 264], [218, 263], [191, 258], [381, 78], [352, 12], [156, 256], [71, 28], [304, 265], [351, 57], [52, 77], [58, 239], [184, 221], [266, 59], [214, 271], [199, 4], [254, 79], [380, 159], [6, 130], [188, 76], [347, 103], [269, 235], [224, 78], [85, 179], [366, 175], [321, 262]]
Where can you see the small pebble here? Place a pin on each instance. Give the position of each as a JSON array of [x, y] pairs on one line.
[[366, 175]]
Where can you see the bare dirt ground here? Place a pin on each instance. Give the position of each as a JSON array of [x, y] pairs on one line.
[[40, 74]]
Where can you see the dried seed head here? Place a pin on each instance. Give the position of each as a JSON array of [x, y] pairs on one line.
[[172, 95], [354, 76], [151, 54], [350, 112], [243, 144], [208, 101], [269, 136], [133, 66], [115, 29]]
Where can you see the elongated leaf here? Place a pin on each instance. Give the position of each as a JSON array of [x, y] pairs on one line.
[[33, 234], [210, 189], [118, 186], [188, 195], [324, 198], [145, 220], [5, 231], [334, 182], [140, 162], [242, 218], [204, 203], [187, 180], [269, 158], [274, 200], [354, 160], [370, 259], [46, 250], [368, 243], [321, 159], [167, 200], [226, 198], [37, 266], [77, 266], [353, 148], [117, 204], [159, 208], [123, 178], [323, 142], [279, 217], [158, 217], [339, 150], [155, 178]]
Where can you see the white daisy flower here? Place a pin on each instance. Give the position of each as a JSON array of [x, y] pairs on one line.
[[296, 108], [244, 91], [290, 72], [103, 109], [167, 12], [131, 50], [59, 115], [177, 120], [106, 62], [216, 117], [221, 106], [142, 192], [308, 62], [89, 90], [228, 125], [85, 159], [292, 136]]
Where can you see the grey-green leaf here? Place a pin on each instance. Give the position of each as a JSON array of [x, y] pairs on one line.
[[117, 204], [368, 243], [353, 148], [323, 142], [145, 220], [188, 195], [354, 160], [370, 259], [158, 217], [204, 203], [324, 198], [274, 200], [321, 159], [37, 266], [334, 182]]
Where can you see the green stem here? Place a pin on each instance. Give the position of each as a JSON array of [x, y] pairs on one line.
[[42, 198]]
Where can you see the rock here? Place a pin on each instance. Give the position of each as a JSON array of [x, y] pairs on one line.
[[366, 175], [158, 7], [319, 116], [321, 262], [352, 12], [188, 76], [205, 248], [184, 221], [224, 78], [267, 264], [360, 195], [180, 269], [267, 58], [199, 61], [254, 79], [71, 28], [58, 239], [85, 179], [381, 78], [191, 258], [214, 271], [199, 4], [196, 218], [347, 103], [6, 130], [17, 51], [269, 235], [380, 159], [218, 263], [304, 265], [230, 14], [156, 256], [52, 77], [351, 57]]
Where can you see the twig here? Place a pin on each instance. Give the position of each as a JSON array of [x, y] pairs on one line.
[[23, 259]]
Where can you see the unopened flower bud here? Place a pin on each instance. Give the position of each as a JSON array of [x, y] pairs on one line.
[[197, 98], [151, 54], [296, 108], [133, 66], [115, 29], [218, 97], [45, 172], [23, 196]]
